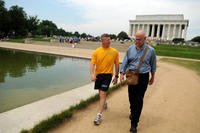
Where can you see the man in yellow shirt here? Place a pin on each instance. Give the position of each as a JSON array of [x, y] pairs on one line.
[[103, 60]]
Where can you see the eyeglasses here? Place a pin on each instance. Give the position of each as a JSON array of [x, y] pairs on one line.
[[138, 39]]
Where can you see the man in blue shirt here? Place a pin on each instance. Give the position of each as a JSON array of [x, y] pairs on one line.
[[130, 62]]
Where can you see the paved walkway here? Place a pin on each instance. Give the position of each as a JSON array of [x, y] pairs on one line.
[[65, 51], [171, 105]]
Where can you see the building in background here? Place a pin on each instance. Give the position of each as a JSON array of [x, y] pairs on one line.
[[161, 27]]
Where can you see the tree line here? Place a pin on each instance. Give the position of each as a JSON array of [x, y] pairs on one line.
[[14, 22]]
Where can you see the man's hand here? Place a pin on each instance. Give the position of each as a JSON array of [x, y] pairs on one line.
[[121, 78], [115, 80], [151, 80], [93, 77]]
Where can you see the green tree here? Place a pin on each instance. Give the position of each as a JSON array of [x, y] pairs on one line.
[[18, 20], [61, 32], [113, 36], [69, 34], [32, 24], [196, 39], [76, 34], [2, 4], [47, 28], [123, 35], [178, 40], [15, 22], [4, 20], [83, 35]]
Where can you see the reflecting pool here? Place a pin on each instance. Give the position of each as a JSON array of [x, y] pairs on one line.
[[26, 77]]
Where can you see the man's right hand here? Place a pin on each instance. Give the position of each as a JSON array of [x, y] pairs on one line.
[[93, 77], [121, 78]]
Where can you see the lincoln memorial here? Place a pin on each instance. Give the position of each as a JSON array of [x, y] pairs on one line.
[[163, 27]]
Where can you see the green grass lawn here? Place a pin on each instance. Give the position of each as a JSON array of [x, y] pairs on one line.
[[17, 40], [178, 51], [41, 39], [193, 65], [22, 40]]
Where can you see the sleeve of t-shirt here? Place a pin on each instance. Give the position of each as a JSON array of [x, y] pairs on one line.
[[94, 58]]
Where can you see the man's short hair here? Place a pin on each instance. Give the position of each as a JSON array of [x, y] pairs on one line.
[[104, 35]]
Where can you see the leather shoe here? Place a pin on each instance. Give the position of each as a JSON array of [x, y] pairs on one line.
[[133, 129], [130, 117]]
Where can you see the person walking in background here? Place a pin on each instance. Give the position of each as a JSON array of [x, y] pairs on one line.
[[103, 60], [148, 65]]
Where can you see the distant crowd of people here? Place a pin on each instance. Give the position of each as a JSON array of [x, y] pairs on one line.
[[69, 39]]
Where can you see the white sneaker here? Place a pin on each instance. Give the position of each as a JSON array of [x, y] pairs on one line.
[[98, 119]]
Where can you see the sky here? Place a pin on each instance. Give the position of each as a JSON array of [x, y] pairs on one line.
[[107, 16]]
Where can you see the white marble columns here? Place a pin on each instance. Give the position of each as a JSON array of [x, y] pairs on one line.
[[160, 26], [160, 31]]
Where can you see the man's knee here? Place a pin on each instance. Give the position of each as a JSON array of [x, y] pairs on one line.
[[102, 93]]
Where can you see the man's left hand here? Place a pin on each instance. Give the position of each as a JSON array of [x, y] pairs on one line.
[[151, 80], [115, 80]]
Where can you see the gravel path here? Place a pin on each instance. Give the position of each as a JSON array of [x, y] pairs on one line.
[[171, 105]]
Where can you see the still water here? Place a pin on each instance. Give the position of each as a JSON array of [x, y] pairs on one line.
[[27, 77]]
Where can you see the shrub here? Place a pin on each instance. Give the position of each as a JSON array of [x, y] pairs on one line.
[[178, 40], [196, 39]]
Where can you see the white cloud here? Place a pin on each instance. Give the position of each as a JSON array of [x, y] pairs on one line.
[[112, 16], [96, 28]]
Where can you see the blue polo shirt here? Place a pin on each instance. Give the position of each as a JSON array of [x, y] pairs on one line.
[[133, 56]]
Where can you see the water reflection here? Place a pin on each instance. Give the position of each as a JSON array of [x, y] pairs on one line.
[[16, 64], [27, 77]]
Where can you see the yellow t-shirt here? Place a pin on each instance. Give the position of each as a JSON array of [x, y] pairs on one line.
[[104, 60]]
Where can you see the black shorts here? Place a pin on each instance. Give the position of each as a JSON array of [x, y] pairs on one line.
[[103, 81]]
